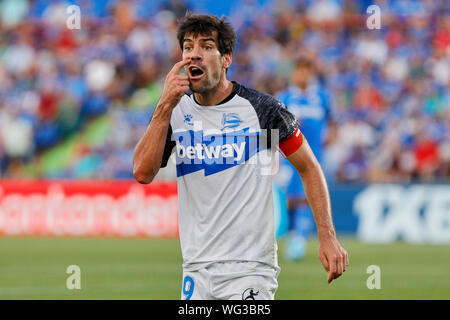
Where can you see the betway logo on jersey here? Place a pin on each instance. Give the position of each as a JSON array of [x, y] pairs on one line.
[[233, 151], [214, 151]]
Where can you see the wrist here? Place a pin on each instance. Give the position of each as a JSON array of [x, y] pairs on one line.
[[163, 111], [327, 234]]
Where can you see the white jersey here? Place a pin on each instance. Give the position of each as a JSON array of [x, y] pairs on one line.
[[224, 176]]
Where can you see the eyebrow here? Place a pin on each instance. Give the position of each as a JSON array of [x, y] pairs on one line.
[[203, 40]]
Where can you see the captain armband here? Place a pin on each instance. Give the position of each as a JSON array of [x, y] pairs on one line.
[[291, 144]]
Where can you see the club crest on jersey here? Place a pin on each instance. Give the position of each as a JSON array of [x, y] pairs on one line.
[[188, 119], [230, 121]]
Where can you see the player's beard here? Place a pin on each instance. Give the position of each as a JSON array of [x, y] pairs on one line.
[[208, 83]]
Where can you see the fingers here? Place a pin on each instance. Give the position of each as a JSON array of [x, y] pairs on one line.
[[333, 272], [184, 88], [334, 258], [345, 260], [338, 265], [182, 79], [324, 261], [330, 277], [330, 265], [183, 82], [179, 65], [176, 85]]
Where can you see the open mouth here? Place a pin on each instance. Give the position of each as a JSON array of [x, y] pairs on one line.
[[195, 72]]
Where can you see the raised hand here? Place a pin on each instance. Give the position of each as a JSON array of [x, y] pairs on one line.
[[176, 84]]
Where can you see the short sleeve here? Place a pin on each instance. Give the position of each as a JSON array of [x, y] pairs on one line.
[[272, 115], [168, 147], [276, 119], [290, 136], [282, 120]]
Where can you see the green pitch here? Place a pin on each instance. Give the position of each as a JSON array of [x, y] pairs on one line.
[[35, 268]]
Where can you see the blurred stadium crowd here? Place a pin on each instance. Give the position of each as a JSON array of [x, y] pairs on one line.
[[73, 103]]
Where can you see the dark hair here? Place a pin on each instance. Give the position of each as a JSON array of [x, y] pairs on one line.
[[205, 25]]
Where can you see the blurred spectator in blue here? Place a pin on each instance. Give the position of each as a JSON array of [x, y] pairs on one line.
[[390, 86]]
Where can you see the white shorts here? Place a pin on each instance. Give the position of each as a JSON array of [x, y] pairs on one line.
[[234, 280]]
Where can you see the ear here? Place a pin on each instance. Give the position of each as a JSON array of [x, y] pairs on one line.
[[227, 59]]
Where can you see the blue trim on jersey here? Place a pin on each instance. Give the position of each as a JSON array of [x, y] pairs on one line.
[[214, 152]]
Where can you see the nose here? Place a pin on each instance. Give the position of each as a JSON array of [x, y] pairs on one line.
[[195, 54]]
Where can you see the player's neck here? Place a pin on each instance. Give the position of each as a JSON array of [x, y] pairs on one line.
[[216, 95], [303, 86]]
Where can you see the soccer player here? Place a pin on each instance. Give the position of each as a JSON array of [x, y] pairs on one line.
[[226, 218], [309, 103]]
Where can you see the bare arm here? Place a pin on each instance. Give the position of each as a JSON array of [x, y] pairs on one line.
[[148, 153], [147, 156], [332, 255]]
